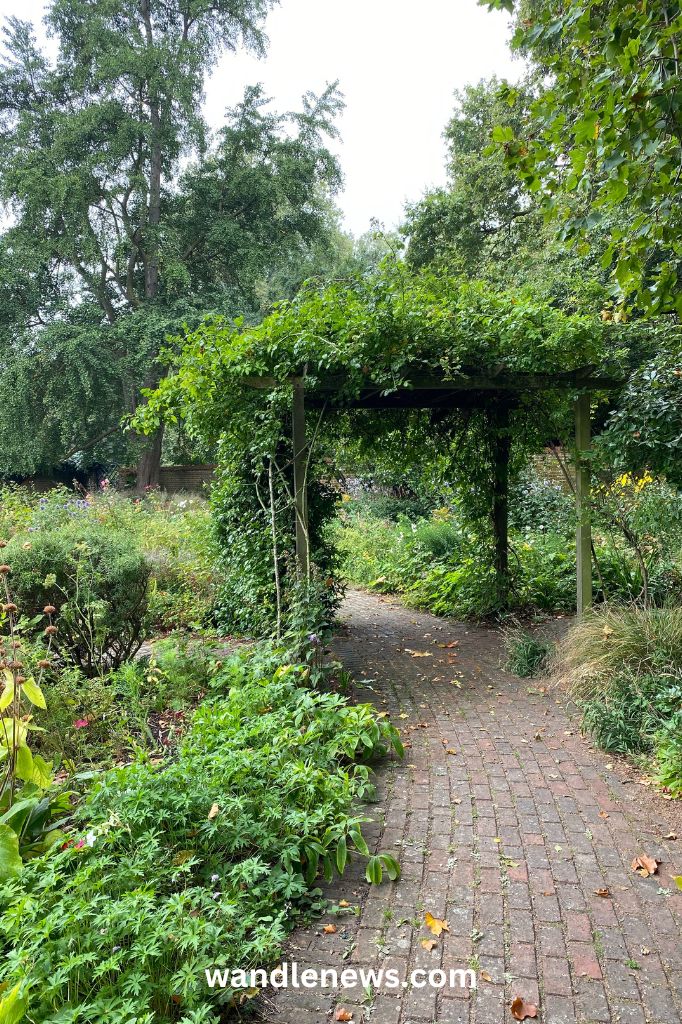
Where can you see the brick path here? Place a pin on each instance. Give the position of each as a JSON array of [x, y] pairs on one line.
[[508, 839]]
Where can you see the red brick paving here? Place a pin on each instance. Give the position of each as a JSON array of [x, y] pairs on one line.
[[508, 839]]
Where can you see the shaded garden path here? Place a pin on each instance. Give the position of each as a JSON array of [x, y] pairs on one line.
[[508, 839]]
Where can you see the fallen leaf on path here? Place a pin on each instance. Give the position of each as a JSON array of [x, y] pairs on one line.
[[329, 929], [450, 751], [644, 865], [644, 950], [341, 1013], [418, 654], [485, 976], [604, 893], [429, 944], [603, 814], [520, 1009], [677, 879], [435, 924], [671, 835], [344, 903]]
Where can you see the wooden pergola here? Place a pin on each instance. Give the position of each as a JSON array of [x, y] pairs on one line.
[[468, 388]]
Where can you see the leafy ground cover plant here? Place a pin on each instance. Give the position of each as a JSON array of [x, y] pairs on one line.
[[162, 879]]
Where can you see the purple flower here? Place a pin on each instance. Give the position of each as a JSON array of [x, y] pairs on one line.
[[314, 639]]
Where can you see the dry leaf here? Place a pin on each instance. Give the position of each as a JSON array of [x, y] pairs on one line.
[[603, 814], [644, 950], [677, 879], [485, 976], [429, 944], [435, 924], [450, 750], [329, 929], [644, 865], [520, 1009], [215, 809], [344, 903], [182, 856], [671, 835], [418, 654], [605, 893], [341, 1013]]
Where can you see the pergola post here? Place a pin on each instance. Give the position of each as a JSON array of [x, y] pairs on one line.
[[582, 501], [500, 512], [300, 459]]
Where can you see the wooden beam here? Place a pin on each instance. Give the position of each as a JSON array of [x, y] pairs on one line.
[[300, 460], [582, 501], [339, 385]]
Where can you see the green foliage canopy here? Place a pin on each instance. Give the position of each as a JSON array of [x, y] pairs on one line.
[[607, 132]]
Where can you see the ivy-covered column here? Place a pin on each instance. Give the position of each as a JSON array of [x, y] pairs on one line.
[[300, 463], [582, 500], [501, 442]]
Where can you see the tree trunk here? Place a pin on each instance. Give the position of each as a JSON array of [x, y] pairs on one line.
[[149, 463]]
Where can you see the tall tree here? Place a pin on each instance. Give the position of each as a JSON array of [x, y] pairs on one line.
[[486, 223], [607, 128], [105, 228]]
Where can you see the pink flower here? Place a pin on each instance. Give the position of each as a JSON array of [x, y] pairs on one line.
[[80, 844], [81, 723]]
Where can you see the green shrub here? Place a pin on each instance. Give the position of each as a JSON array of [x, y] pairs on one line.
[[669, 755], [614, 639], [626, 718], [98, 581], [624, 667], [205, 860], [527, 653]]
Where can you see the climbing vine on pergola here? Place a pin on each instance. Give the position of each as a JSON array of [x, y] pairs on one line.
[[392, 341]]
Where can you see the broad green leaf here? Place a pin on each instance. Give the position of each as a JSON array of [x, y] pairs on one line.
[[374, 872], [31, 689], [341, 855], [391, 865], [13, 1006], [359, 842], [10, 861], [7, 695], [42, 772], [24, 764]]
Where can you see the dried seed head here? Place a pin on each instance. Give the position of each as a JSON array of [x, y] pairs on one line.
[[14, 665], [44, 663], [50, 630], [4, 570], [19, 680], [9, 607], [49, 609], [3, 543]]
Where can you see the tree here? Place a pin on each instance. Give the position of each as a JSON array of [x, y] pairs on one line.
[[105, 228], [604, 145], [486, 223]]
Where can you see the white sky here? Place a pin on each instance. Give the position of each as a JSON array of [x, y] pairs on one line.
[[397, 62]]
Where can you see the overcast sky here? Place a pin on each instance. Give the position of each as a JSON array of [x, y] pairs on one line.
[[397, 62]]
